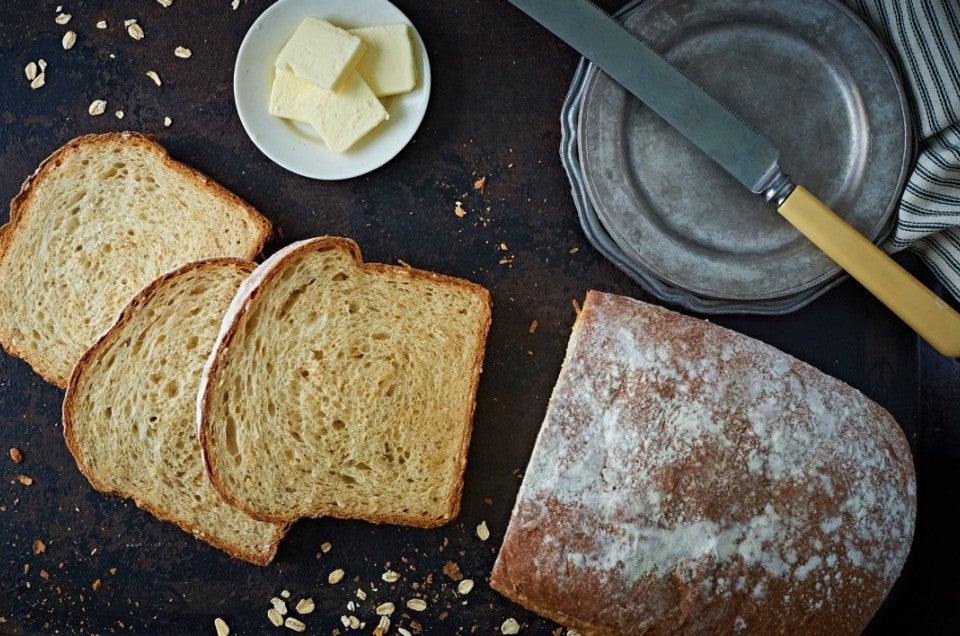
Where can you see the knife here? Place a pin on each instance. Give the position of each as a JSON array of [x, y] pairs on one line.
[[747, 155]]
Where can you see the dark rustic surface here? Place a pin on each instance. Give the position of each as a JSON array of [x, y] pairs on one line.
[[498, 83]]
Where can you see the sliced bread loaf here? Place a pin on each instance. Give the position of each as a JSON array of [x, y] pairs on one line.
[[99, 219], [344, 389], [129, 415]]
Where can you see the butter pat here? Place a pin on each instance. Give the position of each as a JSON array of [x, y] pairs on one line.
[[340, 117], [388, 63], [320, 53]]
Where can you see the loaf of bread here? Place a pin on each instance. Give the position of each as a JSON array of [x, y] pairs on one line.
[[344, 389], [689, 479], [129, 415], [99, 219]]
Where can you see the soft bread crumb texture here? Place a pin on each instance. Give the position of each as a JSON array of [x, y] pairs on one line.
[[102, 217], [345, 389], [702, 482], [130, 408]]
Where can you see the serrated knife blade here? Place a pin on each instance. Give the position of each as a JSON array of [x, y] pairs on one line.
[[747, 155]]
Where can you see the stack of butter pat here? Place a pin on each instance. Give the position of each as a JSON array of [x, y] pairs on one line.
[[333, 79]]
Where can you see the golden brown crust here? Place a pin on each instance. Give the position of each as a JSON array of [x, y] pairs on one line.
[[69, 401], [689, 479], [324, 243], [20, 205]]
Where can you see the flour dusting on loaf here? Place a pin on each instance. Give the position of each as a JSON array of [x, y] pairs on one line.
[[697, 480]]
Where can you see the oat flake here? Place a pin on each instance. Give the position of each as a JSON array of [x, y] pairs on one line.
[[97, 107]]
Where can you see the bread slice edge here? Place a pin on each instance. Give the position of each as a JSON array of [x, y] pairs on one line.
[[19, 206], [258, 558], [248, 291]]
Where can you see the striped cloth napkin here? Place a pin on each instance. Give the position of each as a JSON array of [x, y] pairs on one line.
[[924, 38]]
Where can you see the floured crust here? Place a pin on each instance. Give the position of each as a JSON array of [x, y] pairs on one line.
[[688, 479], [20, 206], [257, 284], [264, 557]]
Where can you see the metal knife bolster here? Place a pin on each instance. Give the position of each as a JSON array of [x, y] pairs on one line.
[[775, 186]]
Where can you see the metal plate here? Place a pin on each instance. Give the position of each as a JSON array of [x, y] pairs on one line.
[[809, 75]]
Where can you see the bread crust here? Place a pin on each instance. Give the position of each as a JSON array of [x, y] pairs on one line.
[[20, 207], [246, 267], [253, 287], [689, 479]]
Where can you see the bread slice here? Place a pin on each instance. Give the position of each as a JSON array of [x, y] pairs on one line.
[[129, 415], [103, 216], [344, 389], [691, 480]]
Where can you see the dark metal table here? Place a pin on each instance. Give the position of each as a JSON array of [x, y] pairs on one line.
[[498, 83]]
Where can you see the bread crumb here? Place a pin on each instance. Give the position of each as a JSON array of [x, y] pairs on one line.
[[533, 326], [459, 210], [44, 575], [23, 479], [480, 184], [284, 594], [576, 306], [452, 570], [39, 547], [510, 626], [221, 626], [96, 585], [574, 249], [113, 571], [482, 531], [16, 455], [325, 547], [102, 24]]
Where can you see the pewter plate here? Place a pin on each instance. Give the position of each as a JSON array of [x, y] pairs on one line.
[[808, 74]]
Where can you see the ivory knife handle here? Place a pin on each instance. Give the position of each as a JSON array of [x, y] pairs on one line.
[[933, 319]]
